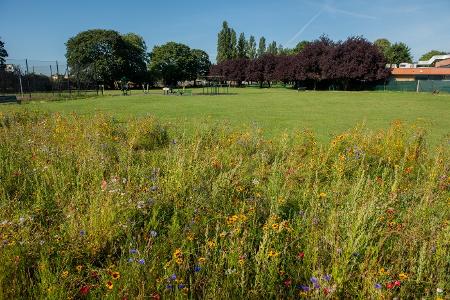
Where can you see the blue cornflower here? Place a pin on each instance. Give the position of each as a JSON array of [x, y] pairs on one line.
[[181, 286], [316, 286], [314, 279], [378, 286], [327, 277], [141, 261], [197, 269], [82, 232], [133, 251], [173, 277], [304, 288], [169, 286]]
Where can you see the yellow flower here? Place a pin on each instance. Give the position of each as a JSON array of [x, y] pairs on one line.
[[109, 285], [79, 268], [211, 244], [402, 276], [65, 274], [190, 237], [383, 272], [272, 253], [179, 261], [115, 275], [201, 260], [178, 253], [275, 226], [322, 195], [223, 234]]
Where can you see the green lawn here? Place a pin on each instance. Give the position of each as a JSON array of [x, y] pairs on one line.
[[274, 110]]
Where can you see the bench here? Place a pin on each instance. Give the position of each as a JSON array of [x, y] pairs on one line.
[[8, 99], [301, 88]]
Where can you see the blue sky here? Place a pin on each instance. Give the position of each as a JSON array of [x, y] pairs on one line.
[[39, 29]]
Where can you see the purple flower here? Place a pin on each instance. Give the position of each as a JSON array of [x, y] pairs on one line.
[[173, 277], [181, 286], [327, 277], [304, 288], [169, 286], [316, 286], [197, 269], [82, 232], [378, 286], [141, 261], [133, 251], [313, 279]]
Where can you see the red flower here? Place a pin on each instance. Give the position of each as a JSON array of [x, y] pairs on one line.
[[326, 291], [390, 285], [287, 283], [301, 255], [84, 290], [397, 283], [155, 296]]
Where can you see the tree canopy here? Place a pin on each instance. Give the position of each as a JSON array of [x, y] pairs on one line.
[[430, 54], [173, 62], [353, 63], [106, 56], [3, 53]]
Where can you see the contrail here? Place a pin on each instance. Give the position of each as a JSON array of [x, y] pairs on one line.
[[304, 27]]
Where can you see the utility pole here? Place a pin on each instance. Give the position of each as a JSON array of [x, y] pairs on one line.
[[28, 78]]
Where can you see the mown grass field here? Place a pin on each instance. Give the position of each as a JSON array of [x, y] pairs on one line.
[[109, 203], [273, 110]]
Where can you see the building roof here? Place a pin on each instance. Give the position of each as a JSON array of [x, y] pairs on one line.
[[443, 63], [420, 71]]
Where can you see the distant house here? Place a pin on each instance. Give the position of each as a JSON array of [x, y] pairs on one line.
[[437, 68]]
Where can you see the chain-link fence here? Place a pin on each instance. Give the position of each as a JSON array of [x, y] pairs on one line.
[[36, 79], [431, 86]]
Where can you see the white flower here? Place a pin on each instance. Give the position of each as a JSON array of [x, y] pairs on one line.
[[255, 181], [439, 290]]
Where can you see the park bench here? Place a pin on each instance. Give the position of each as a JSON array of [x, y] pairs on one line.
[[8, 99]]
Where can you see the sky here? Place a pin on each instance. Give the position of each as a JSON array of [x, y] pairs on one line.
[[38, 29]]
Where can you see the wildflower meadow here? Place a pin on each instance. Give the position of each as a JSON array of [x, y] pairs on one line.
[[92, 207]]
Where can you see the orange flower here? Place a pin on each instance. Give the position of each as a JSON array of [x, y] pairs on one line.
[[115, 275], [109, 285]]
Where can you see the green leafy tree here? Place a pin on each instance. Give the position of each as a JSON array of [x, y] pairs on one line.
[[226, 43], [233, 46], [172, 62], [300, 46], [202, 64], [136, 57], [430, 54], [262, 46], [251, 48], [385, 46], [3, 54], [399, 53], [242, 46], [105, 56], [272, 48]]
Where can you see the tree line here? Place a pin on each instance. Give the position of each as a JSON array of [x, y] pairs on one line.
[[106, 56], [231, 47], [323, 63]]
